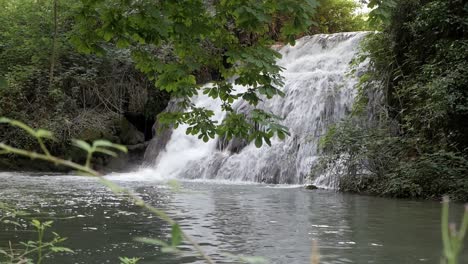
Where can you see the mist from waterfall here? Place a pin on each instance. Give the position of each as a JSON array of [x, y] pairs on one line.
[[318, 93]]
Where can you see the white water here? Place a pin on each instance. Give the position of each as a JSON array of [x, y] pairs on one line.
[[318, 93]]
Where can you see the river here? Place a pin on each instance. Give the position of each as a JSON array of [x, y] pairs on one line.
[[278, 222]]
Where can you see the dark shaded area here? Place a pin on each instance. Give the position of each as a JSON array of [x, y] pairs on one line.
[[143, 123]]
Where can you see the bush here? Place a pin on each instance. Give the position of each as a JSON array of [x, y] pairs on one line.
[[408, 135], [430, 176], [84, 96]]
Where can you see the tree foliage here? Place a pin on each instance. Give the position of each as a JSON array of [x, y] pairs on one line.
[[129, 47], [229, 37], [87, 94], [334, 16], [415, 103]]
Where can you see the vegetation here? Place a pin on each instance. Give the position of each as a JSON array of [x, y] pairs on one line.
[[88, 68], [83, 69], [239, 48], [45, 82], [452, 238], [39, 248], [334, 16], [407, 136]]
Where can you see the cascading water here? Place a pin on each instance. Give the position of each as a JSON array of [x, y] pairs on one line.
[[318, 94]]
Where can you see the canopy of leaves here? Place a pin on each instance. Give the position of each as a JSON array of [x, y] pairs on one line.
[[334, 16], [229, 37]]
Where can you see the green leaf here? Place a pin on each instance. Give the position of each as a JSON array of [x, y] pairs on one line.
[[106, 151], [125, 260], [174, 185], [108, 36], [41, 133], [254, 260], [106, 143], [176, 235], [165, 248], [102, 143], [7, 221], [122, 43], [169, 250], [82, 145], [281, 135], [151, 241], [61, 249], [29, 243], [258, 141], [36, 223]]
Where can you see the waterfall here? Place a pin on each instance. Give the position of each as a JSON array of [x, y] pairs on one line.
[[318, 93]]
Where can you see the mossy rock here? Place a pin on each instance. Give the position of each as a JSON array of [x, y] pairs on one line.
[[311, 187]]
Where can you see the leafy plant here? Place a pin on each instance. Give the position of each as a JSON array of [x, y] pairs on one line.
[[452, 238], [125, 260], [40, 247], [98, 146], [381, 11], [10, 214]]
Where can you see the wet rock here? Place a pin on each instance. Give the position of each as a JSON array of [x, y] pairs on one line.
[[311, 187], [161, 136]]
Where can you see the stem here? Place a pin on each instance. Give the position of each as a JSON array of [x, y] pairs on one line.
[[445, 231], [12, 254], [27, 251], [39, 243], [35, 155], [88, 159], [43, 147], [464, 225]]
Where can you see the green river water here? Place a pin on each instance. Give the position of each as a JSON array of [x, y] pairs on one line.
[[276, 222]]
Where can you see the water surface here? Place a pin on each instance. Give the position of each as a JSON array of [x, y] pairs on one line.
[[277, 222]]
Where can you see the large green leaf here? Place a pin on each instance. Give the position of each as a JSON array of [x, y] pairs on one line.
[[106, 151], [105, 143], [176, 235], [82, 145]]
